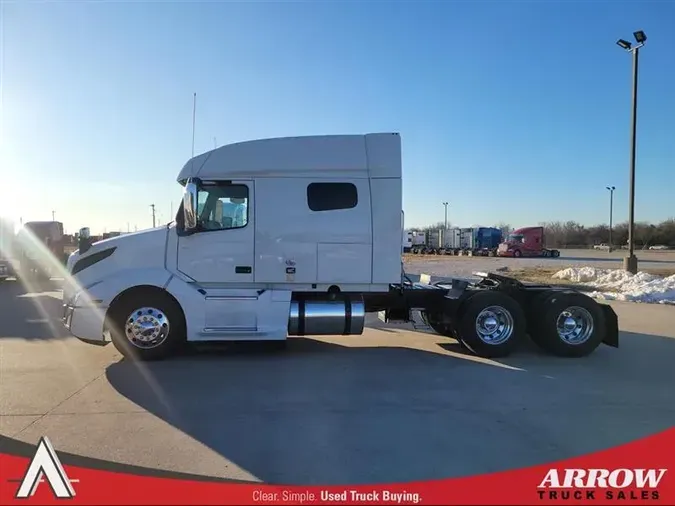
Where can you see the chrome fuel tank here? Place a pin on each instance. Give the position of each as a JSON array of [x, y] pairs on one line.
[[326, 317]]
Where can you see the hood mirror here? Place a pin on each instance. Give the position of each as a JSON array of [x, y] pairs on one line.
[[84, 239]]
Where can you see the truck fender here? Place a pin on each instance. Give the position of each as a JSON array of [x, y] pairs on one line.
[[611, 325], [109, 288], [187, 296]]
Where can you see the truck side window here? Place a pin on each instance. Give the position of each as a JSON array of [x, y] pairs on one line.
[[223, 207], [331, 196]]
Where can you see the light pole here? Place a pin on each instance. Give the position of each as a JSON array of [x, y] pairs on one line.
[[630, 263], [445, 204], [611, 212]]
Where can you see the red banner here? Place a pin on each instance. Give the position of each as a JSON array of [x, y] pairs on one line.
[[635, 473]]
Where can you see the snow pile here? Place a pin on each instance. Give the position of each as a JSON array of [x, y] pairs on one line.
[[617, 284], [580, 274]]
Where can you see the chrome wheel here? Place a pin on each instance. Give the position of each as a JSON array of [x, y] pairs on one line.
[[147, 327], [494, 325], [575, 325]]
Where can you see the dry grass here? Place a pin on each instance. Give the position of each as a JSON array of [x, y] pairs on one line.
[[540, 275], [535, 274], [544, 275], [407, 258]]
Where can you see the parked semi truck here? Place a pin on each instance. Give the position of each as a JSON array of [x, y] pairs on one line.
[[526, 242], [39, 248], [413, 241], [320, 248], [478, 241]]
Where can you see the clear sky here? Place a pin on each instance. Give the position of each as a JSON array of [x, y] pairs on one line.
[[511, 111]]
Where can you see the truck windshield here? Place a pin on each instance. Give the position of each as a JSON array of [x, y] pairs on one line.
[[516, 238]]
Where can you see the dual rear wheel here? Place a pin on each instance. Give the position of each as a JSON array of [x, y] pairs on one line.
[[492, 324], [567, 324]]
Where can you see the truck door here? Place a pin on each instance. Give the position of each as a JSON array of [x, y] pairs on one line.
[[222, 251], [532, 243]]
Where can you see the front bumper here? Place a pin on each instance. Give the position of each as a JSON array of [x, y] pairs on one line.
[[504, 253], [85, 322]]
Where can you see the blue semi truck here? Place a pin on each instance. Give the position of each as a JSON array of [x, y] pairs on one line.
[[475, 241]]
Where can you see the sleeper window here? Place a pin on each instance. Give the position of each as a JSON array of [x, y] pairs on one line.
[[331, 196]]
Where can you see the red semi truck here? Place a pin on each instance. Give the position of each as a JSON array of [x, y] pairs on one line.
[[526, 242]]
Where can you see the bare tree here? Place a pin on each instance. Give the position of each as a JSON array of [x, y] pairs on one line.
[[504, 227]]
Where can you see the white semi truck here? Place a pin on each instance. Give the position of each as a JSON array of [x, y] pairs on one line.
[[6, 248], [318, 247]]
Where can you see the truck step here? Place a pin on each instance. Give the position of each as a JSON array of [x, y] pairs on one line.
[[397, 318], [418, 322]]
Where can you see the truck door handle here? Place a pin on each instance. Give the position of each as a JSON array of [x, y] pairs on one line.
[[243, 269]]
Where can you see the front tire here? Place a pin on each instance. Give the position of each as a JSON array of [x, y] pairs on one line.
[[492, 324], [517, 253], [147, 325]]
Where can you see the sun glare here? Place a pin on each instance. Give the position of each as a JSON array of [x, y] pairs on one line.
[[9, 203]]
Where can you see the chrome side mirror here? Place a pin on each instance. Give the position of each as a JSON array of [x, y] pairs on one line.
[[190, 206]]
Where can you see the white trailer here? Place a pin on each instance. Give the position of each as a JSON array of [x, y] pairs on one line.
[[453, 240], [407, 241], [310, 243]]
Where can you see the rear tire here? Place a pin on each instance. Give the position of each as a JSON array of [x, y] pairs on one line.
[[567, 324], [555, 253], [438, 325], [492, 324], [147, 325]]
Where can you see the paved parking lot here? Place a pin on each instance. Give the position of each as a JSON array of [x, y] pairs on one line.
[[393, 404]]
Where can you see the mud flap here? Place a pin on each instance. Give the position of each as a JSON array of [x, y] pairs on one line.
[[612, 326]]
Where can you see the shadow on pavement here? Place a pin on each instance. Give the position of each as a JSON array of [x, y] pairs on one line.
[[33, 314], [641, 359], [322, 413]]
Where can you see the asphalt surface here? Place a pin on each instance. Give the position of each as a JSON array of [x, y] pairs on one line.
[[392, 405]]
